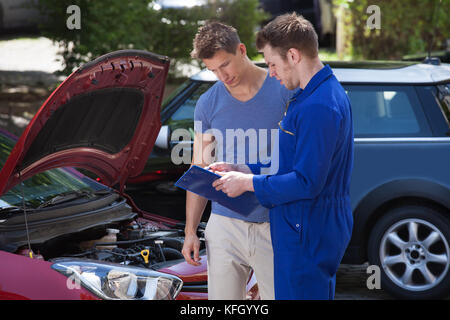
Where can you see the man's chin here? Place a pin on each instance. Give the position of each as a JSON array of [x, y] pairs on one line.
[[233, 84], [287, 85]]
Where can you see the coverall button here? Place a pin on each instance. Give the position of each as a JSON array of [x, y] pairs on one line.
[[297, 225]]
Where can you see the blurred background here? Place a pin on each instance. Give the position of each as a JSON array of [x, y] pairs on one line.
[[38, 50]]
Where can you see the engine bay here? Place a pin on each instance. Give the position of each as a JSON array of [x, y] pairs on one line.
[[138, 243]]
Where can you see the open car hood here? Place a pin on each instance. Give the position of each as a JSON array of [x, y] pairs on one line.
[[104, 118]]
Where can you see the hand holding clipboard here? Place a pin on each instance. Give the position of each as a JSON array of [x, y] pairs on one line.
[[199, 181]]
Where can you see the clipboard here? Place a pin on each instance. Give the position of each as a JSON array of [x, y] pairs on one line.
[[199, 181]]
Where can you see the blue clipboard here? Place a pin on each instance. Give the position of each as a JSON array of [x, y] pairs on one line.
[[199, 181]]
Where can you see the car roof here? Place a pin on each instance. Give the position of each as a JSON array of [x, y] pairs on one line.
[[392, 72]]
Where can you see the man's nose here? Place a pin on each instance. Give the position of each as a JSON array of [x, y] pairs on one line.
[[222, 75], [272, 72]]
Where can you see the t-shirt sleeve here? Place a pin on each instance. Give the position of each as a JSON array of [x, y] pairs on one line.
[[201, 120]]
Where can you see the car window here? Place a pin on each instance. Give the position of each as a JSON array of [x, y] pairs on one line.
[[443, 96], [42, 186], [175, 93], [386, 111], [186, 110]]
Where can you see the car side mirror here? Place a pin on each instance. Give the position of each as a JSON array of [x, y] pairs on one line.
[[162, 141]]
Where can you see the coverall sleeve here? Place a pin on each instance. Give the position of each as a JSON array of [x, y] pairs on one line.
[[316, 134]]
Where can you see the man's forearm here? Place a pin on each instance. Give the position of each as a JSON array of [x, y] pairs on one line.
[[195, 205]]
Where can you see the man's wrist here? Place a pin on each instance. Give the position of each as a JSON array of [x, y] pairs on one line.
[[249, 186], [244, 168], [189, 231]]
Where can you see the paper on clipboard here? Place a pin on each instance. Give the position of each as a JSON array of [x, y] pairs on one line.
[[199, 181]]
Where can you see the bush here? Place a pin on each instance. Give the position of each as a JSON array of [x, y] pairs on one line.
[[406, 27], [244, 15], [110, 25], [105, 26]]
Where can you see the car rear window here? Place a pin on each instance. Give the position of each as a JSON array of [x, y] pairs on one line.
[[443, 96], [386, 111]]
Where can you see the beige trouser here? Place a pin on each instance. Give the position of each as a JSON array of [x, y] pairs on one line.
[[235, 247]]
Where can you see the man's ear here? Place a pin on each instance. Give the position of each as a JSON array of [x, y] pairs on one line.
[[242, 49], [294, 55]]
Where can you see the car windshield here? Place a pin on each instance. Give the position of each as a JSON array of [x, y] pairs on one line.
[[43, 186], [175, 92]]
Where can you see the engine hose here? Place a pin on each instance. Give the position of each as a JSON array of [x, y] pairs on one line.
[[172, 243], [172, 254], [124, 242]]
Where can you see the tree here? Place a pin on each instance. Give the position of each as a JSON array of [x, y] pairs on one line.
[[110, 25], [406, 27]]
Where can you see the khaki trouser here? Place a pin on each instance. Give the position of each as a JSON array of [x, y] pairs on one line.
[[235, 247]]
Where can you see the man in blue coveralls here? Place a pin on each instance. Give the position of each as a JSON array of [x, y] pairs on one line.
[[310, 214]]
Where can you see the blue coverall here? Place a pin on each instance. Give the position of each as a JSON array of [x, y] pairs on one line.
[[310, 215]]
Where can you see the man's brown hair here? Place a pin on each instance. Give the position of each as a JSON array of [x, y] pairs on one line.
[[212, 37], [289, 31]]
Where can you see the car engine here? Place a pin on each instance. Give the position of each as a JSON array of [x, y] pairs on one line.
[[135, 243]]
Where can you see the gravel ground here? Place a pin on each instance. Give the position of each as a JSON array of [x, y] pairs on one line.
[[351, 284]]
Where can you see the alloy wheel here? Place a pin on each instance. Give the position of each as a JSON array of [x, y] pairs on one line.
[[414, 254]]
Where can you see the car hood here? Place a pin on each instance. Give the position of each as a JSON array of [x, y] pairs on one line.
[[104, 118]]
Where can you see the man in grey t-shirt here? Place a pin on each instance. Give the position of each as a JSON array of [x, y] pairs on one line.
[[236, 119]]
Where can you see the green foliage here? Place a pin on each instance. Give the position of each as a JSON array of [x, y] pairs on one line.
[[106, 26], [407, 27], [174, 31], [110, 25], [244, 15]]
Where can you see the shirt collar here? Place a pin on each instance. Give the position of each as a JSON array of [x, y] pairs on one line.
[[322, 75]]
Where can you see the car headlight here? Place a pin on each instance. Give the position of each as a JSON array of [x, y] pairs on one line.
[[113, 281]]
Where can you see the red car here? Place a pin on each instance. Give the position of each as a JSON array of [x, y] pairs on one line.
[[85, 241]]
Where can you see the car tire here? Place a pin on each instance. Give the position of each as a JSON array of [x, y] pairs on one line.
[[410, 244]]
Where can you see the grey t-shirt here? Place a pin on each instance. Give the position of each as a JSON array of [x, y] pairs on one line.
[[245, 132]]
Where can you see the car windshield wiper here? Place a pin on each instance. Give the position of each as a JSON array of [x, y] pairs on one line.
[[10, 209], [71, 195]]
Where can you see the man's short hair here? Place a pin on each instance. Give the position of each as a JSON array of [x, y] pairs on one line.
[[289, 31], [212, 37]]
